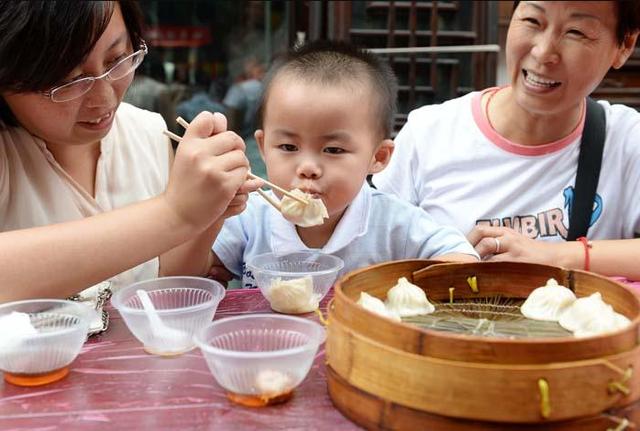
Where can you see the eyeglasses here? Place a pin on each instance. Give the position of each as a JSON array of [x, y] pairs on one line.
[[77, 88]]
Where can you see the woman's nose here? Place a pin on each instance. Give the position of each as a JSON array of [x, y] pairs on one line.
[[101, 94], [545, 49]]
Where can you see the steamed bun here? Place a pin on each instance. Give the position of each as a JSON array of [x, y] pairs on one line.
[[293, 296], [312, 214], [548, 302], [375, 305], [406, 299], [590, 316]]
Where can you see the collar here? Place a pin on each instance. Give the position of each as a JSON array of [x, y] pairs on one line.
[[354, 222]]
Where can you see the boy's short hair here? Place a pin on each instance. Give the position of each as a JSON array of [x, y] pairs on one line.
[[333, 62]]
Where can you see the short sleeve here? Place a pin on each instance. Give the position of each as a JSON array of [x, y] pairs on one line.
[[397, 178], [231, 242], [632, 181], [428, 239]]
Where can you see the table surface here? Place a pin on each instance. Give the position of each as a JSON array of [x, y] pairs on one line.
[[115, 384]]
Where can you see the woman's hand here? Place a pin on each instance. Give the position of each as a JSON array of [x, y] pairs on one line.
[[239, 201], [209, 173], [498, 244]]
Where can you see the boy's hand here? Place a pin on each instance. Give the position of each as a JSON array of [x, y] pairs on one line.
[[210, 167]]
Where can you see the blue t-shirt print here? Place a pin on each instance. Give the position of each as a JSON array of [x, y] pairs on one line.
[[569, 196]]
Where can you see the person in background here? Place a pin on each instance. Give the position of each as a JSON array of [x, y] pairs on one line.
[[89, 189], [147, 86], [241, 101], [326, 117], [500, 164]]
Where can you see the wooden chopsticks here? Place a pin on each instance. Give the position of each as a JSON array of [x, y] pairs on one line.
[[181, 121]]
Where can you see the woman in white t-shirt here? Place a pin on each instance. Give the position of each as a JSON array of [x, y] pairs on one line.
[[501, 164], [87, 190]]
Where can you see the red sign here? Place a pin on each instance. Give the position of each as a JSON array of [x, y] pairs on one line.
[[177, 36]]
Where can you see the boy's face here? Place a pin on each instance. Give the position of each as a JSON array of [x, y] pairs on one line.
[[322, 139]]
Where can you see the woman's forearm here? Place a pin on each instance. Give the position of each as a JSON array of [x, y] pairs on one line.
[[194, 257], [62, 259], [607, 257]]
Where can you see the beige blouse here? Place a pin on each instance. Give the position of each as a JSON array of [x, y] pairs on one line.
[[133, 166]]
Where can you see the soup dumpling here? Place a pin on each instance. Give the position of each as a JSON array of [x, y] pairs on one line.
[[582, 311], [407, 299], [547, 302], [375, 305]]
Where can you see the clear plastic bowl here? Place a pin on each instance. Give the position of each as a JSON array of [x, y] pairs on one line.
[[260, 358], [183, 305], [40, 338], [294, 283]]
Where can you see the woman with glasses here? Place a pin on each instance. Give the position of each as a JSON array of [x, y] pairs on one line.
[[89, 189], [502, 164]]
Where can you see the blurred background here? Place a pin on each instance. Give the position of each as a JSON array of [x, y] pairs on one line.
[[212, 55]]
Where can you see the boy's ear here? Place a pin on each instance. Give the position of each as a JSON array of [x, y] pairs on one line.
[[259, 135], [382, 156], [625, 50]]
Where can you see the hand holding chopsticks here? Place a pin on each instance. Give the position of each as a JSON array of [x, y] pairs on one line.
[[181, 121]]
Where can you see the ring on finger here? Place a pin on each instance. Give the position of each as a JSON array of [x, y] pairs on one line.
[[497, 245]]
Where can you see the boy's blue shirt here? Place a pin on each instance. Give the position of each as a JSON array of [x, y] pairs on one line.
[[375, 228]]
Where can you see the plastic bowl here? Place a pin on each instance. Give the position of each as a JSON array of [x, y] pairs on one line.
[[183, 306], [40, 338], [294, 283], [260, 358]]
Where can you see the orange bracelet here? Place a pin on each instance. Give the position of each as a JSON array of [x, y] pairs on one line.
[[587, 257]]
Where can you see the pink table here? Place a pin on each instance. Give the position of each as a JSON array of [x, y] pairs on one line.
[[114, 384]]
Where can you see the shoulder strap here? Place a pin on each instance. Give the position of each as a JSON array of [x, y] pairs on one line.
[[589, 162]]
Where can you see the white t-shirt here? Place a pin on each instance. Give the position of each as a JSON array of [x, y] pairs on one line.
[[133, 166], [449, 161], [375, 228]]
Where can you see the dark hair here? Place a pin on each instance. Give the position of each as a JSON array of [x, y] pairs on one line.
[[43, 41], [331, 62], [627, 14]]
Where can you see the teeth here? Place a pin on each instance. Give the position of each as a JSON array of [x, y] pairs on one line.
[[99, 119], [539, 80]]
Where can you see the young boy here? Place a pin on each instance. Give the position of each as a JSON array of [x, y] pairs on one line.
[[326, 117]]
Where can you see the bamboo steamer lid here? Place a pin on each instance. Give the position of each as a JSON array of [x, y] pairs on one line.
[[479, 378]]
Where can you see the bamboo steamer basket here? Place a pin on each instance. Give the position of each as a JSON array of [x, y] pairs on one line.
[[391, 375]]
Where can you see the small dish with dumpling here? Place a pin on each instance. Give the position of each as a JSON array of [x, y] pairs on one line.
[[295, 283]]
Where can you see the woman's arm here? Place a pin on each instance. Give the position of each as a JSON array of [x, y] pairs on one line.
[[62, 259], [456, 257], [608, 257], [195, 256]]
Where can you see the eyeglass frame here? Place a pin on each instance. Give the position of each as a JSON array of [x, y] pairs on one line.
[[50, 93]]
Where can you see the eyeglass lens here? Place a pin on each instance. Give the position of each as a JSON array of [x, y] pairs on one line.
[[77, 88]]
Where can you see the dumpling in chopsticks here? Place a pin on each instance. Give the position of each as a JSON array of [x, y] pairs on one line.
[[548, 302], [375, 305], [407, 299], [303, 215]]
